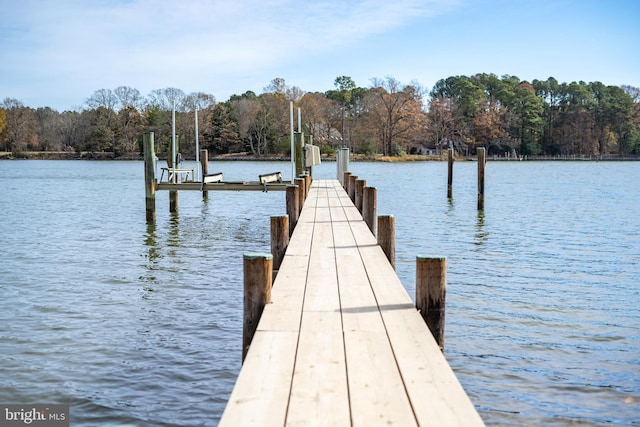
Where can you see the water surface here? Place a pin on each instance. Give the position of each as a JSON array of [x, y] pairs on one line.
[[141, 324]]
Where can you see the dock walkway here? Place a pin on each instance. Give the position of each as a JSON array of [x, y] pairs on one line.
[[342, 343]]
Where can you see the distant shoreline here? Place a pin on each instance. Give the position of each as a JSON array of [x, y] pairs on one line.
[[87, 155]]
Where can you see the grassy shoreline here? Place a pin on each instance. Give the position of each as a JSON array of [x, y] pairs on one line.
[[86, 155]]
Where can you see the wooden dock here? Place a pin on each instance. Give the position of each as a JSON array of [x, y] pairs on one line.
[[341, 343]]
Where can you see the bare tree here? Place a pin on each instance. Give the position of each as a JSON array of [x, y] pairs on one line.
[[103, 98]]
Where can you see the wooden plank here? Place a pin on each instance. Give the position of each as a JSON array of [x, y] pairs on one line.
[[322, 290], [319, 391], [435, 392], [376, 389], [261, 392]]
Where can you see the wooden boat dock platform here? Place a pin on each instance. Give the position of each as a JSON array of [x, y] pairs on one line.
[[341, 343]]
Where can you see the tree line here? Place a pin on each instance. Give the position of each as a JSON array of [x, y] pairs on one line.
[[503, 114]]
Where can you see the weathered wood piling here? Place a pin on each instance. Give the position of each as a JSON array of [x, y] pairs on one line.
[[482, 160], [387, 237], [149, 176], [258, 272], [431, 289], [450, 160]]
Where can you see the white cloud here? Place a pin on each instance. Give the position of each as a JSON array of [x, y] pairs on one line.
[[89, 45]]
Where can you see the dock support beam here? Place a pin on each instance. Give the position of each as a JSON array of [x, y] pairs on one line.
[[293, 206], [149, 176], [387, 237], [431, 290], [482, 160], [258, 270], [450, 174]]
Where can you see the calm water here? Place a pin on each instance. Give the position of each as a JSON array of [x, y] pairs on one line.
[[141, 325]]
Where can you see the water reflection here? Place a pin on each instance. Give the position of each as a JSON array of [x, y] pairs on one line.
[[481, 235], [151, 242]]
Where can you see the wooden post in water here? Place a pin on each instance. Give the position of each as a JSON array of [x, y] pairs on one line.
[[173, 201], [352, 187], [369, 208], [482, 160], [345, 181], [450, 174], [431, 290], [360, 184], [204, 163], [301, 193], [293, 210], [387, 237], [258, 269], [149, 176], [279, 240]]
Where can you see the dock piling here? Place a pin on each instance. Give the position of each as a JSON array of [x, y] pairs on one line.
[[450, 173], [482, 160], [279, 240], [431, 289], [258, 270], [342, 161], [149, 176], [369, 208], [345, 181], [387, 237], [301, 193], [352, 187], [293, 206], [360, 184], [204, 162]]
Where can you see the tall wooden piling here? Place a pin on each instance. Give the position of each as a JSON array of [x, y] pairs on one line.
[[431, 289], [387, 237], [450, 174], [149, 176], [482, 160], [342, 162], [258, 270], [204, 163], [369, 208], [293, 209], [279, 240], [173, 194], [360, 184]]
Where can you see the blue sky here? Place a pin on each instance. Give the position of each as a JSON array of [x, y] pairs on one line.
[[57, 53]]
